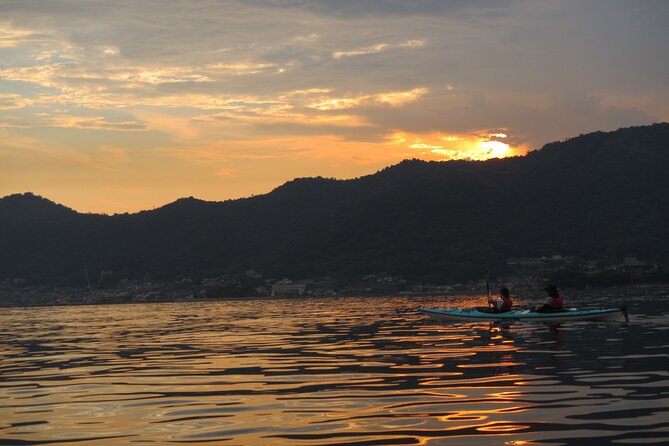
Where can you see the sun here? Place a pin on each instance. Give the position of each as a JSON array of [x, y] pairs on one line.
[[495, 149]]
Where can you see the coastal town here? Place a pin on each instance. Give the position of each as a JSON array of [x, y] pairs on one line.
[[524, 275]]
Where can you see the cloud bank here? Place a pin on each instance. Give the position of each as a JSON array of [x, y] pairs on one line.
[[232, 98]]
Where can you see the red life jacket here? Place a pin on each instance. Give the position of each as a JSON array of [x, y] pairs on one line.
[[557, 301], [508, 303]]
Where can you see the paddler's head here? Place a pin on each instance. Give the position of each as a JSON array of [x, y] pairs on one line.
[[551, 290]]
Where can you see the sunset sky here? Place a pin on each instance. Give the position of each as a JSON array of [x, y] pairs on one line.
[[115, 106]]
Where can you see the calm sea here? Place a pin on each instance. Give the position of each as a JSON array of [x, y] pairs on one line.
[[332, 371]]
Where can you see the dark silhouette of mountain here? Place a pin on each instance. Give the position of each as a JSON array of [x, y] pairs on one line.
[[600, 194]]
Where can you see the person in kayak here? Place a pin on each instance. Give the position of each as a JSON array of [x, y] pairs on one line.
[[554, 301], [503, 303]]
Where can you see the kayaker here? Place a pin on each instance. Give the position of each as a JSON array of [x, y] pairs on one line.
[[554, 301], [503, 303]]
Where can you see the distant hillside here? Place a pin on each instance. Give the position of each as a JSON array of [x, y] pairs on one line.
[[600, 194]]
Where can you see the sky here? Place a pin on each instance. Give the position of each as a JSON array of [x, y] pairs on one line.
[[121, 106]]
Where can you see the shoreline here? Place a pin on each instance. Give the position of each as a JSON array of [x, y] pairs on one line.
[[39, 297]]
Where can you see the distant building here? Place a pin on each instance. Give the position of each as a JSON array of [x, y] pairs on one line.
[[557, 261], [263, 291], [287, 287], [324, 287], [543, 263], [633, 264], [632, 261]]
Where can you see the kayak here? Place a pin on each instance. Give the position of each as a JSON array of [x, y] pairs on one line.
[[572, 314]]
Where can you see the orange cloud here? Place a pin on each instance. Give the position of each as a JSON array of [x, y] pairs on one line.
[[378, 48], [13, 101], [393, 98], [339, 103], [11, 37], [396, 98], [94, 122], [241, 68]]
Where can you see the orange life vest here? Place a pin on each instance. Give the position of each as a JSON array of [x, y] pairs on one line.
[[508, 303], [557, 301]]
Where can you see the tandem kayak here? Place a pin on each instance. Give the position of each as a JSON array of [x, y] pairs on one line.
[[474, 314]]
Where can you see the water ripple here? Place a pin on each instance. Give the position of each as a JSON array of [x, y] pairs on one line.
[[337, 371]]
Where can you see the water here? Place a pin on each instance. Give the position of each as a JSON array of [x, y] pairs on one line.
[[335, 371]]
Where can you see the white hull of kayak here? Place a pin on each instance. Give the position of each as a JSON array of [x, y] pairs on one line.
[[469, 315]]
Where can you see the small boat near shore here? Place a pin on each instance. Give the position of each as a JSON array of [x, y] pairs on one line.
[[572, 314]]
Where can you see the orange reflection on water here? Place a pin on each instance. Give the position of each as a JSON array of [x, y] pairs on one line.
[[493, 364], [501, 427], [286, 373], [505, 395]]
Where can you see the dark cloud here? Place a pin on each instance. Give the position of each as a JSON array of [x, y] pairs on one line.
[[561, 117], [357, 9]]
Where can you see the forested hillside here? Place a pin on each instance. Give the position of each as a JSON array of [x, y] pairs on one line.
[[600, 194]]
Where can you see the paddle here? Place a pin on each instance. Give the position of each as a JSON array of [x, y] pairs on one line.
[[487, 287]]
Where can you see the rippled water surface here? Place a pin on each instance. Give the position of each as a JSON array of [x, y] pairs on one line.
[[335, 371]]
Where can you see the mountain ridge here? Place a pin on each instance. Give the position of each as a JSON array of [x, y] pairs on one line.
[[599, 194]]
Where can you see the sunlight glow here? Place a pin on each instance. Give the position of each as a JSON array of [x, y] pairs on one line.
[[106, 116], [476, 147], [495, 149]]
